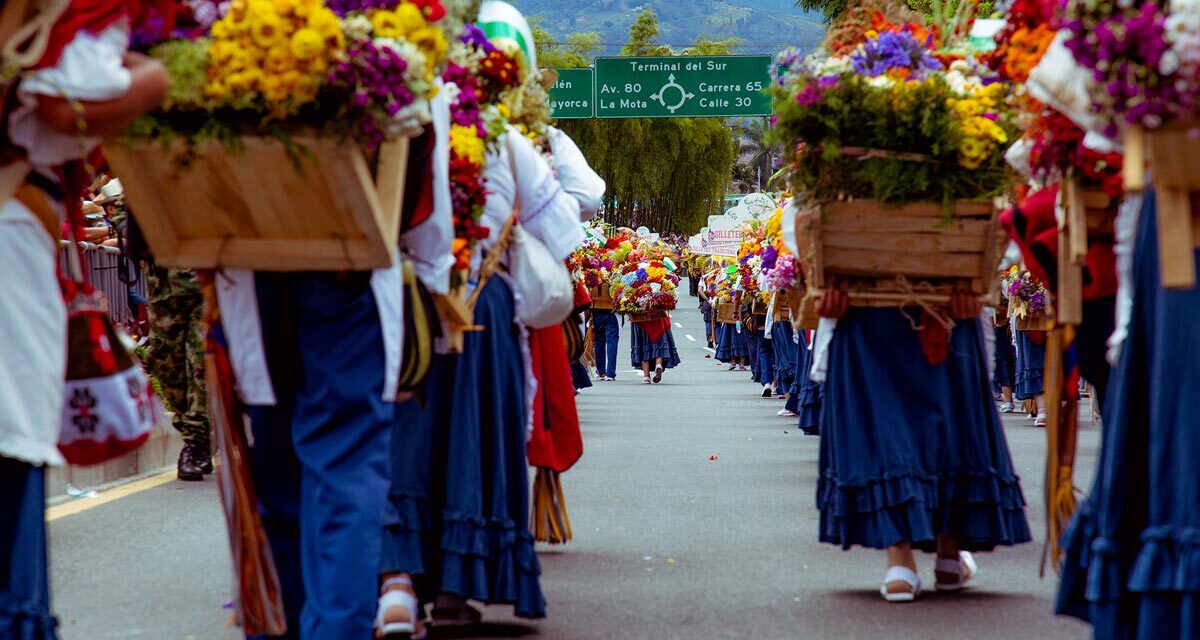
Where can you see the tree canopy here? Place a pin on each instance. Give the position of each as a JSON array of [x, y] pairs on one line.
[[669, 174]]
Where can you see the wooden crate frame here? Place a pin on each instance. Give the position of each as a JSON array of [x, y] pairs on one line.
[[257, 210], [1170, 152], [889, 256], [1089, 214], [726, 312], [601, 298], [656, 314]]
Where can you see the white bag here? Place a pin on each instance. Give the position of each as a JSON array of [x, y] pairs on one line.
[[542, 285], [1062, 83]]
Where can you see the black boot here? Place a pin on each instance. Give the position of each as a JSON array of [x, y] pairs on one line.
[[194, 462]]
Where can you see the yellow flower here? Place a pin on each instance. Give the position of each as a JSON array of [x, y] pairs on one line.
[[307, 44], [431, 42], [274, 89], [465, 143], [278, 60], [222, 53], [284, 7], [267, 31], [398, 23], [216, 89]]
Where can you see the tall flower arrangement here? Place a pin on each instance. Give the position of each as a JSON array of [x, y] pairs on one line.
[[644, 286], [779, 270], [889, 120]]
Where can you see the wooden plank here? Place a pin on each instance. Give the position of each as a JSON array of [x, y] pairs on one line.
[[1133, 167], [869, 262], [962, 209], [144, 196], [1070, 280], [1171, 153], [901, 224], [389, 182], [1074, 222], [1176, 245], [989, 270], [882, 240]]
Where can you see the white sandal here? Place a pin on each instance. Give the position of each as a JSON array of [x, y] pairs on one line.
[[392, 598], [901, 574], [965, 568]]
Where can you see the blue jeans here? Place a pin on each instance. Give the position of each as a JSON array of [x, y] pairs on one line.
[[321, 454], [606, 334]]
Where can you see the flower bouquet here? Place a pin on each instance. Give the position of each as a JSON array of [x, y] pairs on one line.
[[248, 163], [593, 264], [1145, 63], [897, 158], [1028, 299], [644, 289]]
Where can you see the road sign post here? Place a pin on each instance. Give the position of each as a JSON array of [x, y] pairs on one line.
[[682, 87], [572, 97]]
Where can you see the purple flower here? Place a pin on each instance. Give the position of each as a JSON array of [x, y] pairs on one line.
[[893, 50]]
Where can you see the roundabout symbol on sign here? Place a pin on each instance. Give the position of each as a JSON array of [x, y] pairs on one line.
[[684, 96]]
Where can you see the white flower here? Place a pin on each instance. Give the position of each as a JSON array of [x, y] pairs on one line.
[[356, 26], [1169, 63], [881, 82]]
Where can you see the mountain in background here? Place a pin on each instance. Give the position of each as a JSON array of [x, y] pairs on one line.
[[762, 26]]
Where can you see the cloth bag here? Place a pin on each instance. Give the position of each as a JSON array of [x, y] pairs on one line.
[[110, 406], [545, 295]]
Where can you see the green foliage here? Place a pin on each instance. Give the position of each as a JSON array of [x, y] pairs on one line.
[[913, 135], [830, 9], [666, 173]]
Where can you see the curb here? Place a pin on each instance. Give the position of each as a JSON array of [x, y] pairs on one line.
[[161, 450]]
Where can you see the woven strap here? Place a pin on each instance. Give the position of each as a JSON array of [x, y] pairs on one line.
[[491, 264], [27, 43]]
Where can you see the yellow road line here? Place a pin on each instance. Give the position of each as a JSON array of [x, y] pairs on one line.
[[125, 490]]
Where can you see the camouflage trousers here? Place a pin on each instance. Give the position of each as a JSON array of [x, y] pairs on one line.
[[175, 355]]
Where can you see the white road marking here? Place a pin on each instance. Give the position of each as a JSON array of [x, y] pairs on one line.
[[678, 325], [690, 338]]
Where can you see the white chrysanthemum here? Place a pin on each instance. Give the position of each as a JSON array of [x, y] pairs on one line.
[[356, 26]]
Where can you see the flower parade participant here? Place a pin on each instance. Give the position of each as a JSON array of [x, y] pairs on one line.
[[457, 526], [951, 486], [732, 348], [1031, 362], [706, 292], [652, 348], [79, 83], [606, 336], [1004, 367]]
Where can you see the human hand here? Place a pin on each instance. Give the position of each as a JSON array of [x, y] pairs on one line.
[[834, 303]]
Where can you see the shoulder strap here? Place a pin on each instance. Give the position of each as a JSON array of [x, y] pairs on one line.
[[24, 38]]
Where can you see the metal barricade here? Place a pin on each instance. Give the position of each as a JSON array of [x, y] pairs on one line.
[[102, 266]]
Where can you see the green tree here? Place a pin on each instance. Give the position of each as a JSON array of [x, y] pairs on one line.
[[830, 9], [666, 173], [757, 140]]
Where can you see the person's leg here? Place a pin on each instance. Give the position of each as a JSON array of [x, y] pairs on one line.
[[24, 578], [274, 467], [167, 361], [341, 433], [196, 426], [600, 341], [901, 555], [658, 370], [645, 371], [612, 333]]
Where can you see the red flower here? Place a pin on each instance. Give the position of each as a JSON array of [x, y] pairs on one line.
[[432, 9]]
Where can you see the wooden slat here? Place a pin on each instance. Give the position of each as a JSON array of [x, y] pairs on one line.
[[1070, 280], [882, 240], [389, 182], [856, 223], [869, 262], [1133, 167], [1176, 245], [1074, 223], [1171, 153], [962, 209]]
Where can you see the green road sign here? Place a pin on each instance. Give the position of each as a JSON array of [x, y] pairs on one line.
[[571, 96], [683, 87]]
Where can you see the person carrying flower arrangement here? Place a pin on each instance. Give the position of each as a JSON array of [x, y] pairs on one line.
[[913, 454], [732, 347], [79, 84], [460, 465]]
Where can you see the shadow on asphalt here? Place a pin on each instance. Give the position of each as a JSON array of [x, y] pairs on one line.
[[931, 597], [483, 630]]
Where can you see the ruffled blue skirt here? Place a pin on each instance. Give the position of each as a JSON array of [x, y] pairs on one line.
[[1031, 360], [910, 450], [460, 489], [731, 343], [24, 580], [1004, 372], [785, 350], [1132, 555], [642, 349]]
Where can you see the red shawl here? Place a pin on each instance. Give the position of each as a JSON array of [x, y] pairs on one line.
[[94, 16], [557, 443]]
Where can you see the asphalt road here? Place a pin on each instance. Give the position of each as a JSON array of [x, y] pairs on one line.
[[694, 517]]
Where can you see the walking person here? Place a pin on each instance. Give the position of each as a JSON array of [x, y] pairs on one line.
[[1031, 361], [1004, 371], [652, 348], [175, 356], [913, 456], [606, 335]]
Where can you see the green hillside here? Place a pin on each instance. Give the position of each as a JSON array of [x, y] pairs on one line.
[[763, 26]]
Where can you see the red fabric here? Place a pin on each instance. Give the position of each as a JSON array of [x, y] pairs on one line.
[[1100, 271], [1037, 337], [655, 328], [583, 299], [557, 443], [1027, 223], [94, 16], [935, 339]]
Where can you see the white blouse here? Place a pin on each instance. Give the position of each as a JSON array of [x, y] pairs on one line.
[[575, 175]]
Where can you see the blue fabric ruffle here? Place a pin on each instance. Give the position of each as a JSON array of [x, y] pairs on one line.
[[641, 349]]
